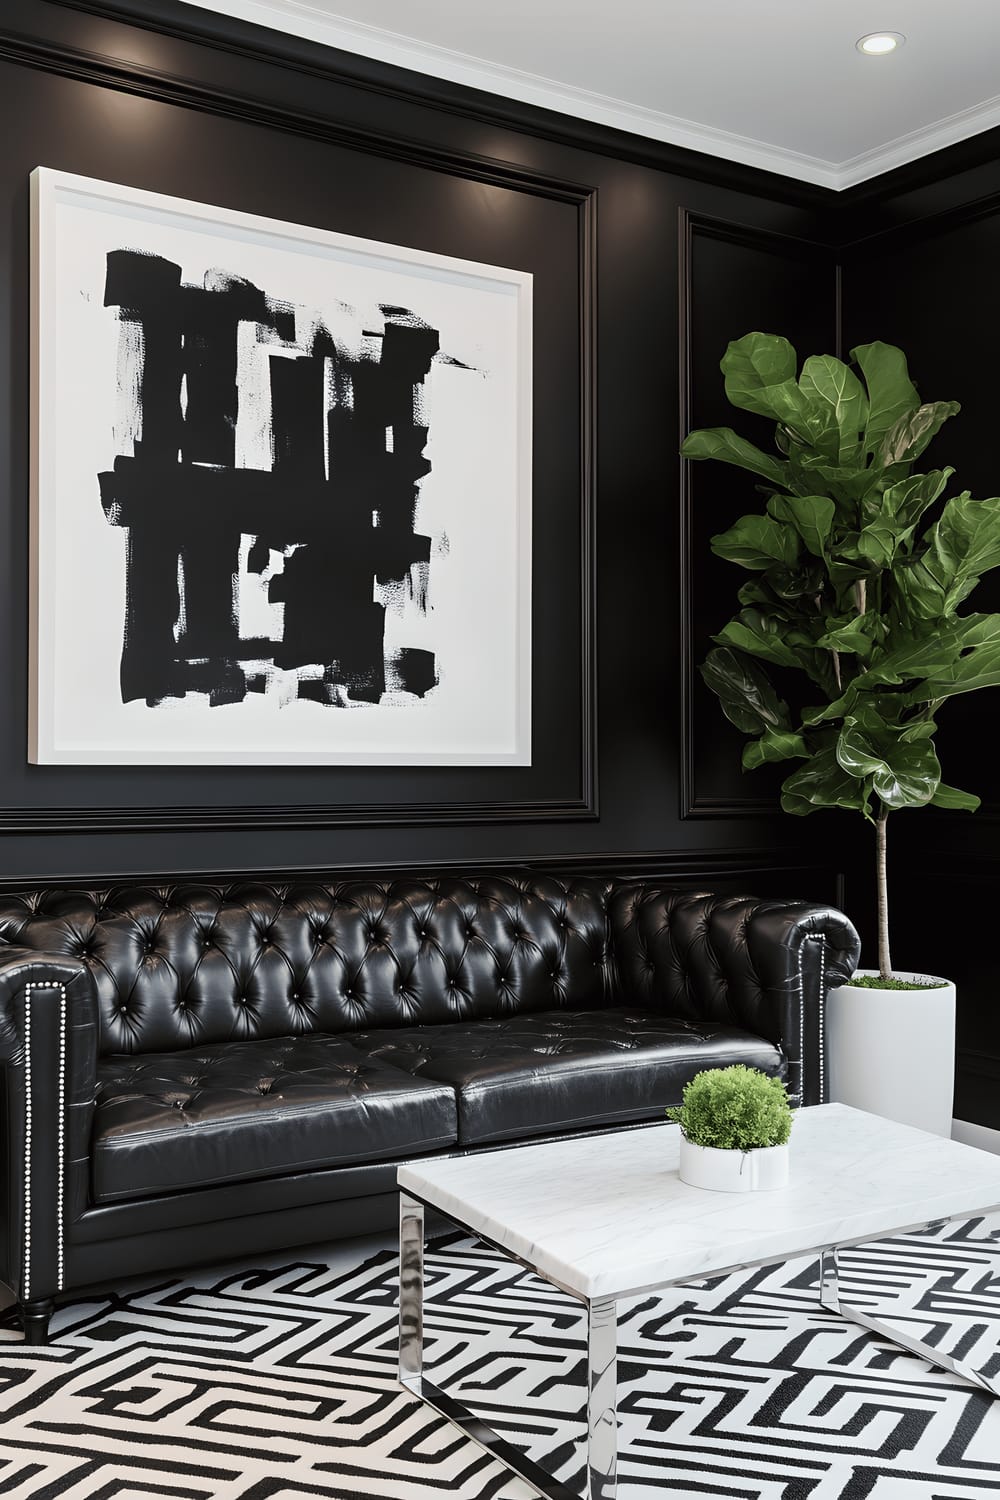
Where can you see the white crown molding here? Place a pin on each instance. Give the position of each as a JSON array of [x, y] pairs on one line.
[[907, 148], [299, 18]]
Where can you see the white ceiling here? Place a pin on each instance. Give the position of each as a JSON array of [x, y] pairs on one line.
[[777, 84]]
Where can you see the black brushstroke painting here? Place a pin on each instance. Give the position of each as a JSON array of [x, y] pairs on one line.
[[331, 522]]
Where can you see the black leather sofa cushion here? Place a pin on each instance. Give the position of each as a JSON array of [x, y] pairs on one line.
[[564, 1070], [179, 966], [234, 1111]]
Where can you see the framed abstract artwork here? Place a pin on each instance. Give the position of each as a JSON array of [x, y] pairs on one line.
[[281, 502]]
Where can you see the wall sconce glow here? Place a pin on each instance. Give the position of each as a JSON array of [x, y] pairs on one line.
[[878, 43]]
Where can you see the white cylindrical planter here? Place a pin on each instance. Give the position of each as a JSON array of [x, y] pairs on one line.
[[892, 1052], [734, 1171]]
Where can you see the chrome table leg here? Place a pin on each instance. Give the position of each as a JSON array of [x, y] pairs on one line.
[[829, 1286], [602, 1401], [411, 1291], [831, 1297], [602, 1433]]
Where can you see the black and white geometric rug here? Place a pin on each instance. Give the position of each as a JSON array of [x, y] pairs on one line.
[[273, 1383]]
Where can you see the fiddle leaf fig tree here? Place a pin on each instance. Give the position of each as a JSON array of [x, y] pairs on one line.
[[858, 573]]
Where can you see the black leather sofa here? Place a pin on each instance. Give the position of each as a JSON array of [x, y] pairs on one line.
[[196, 1071]]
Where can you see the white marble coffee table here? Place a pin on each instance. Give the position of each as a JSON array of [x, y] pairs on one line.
[[606, 1218]]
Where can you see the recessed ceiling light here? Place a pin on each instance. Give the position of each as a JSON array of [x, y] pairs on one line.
[[878, 43]]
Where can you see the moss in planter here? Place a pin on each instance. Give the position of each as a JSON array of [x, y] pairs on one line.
[[734, 1109], [874, 982]]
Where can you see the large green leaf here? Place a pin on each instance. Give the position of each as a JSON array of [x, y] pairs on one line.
[[956, 801], [907, 438], [979, 668], [843, 576], [907, 499], [962, 544], [728, 447], [891, 393], [855, 751], [850, 635], [926, 654], [921, 596], [760, 377], [759, 635], [918, 729], [881, 539], [821, 782], [910, 777], [835, 709], [774, 745], [903, 773], [759, 370], [844, 483], [757, 542], [811, 515], [893, 515], [782, 638], [828, 382], [965, 540], [744, 691], [757, 591]]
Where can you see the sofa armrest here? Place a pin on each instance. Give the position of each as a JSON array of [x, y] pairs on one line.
[[763, 965], [48, 1053]]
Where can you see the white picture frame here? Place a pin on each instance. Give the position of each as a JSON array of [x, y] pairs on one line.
[[123, 533]]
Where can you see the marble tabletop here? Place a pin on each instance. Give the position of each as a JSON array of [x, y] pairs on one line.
[[608, 1216]]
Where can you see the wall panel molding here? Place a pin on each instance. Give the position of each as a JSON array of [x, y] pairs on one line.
[[699, 867], [580, 802], [692, 227]]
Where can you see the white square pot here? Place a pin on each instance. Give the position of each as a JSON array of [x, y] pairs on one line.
[[734, 1171]]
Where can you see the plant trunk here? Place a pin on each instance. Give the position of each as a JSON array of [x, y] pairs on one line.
[[884, 960]]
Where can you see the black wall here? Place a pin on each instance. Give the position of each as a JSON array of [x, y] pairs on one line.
[[920, 271], [647, 260]]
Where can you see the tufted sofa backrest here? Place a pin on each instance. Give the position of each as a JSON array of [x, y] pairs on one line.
[[183, 965]]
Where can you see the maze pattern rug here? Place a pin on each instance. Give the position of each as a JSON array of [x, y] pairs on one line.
[[276, 1382]]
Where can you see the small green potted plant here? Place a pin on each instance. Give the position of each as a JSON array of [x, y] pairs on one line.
[[735, 1123], [859, 570]]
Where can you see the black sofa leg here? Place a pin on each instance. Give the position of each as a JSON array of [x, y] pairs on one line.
[[35, 1320]]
